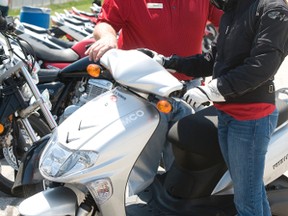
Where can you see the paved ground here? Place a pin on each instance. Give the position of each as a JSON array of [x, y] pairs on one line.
[[8, 205]]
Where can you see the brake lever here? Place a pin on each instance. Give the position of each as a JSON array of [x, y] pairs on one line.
[[206, 103]]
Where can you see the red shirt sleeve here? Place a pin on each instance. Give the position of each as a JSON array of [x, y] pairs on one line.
[[113, 14]]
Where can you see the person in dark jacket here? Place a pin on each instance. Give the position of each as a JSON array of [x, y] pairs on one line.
[[252, 43]]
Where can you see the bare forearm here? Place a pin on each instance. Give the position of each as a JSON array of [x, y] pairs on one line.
[[106, 38], [104, 30]]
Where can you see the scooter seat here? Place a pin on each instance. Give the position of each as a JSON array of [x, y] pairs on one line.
[[81, 19], [195, 141], [61, 42], [87, 14], [35, 28], [74, 21]]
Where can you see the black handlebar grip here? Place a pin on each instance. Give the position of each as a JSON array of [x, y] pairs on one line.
[[3, 23]]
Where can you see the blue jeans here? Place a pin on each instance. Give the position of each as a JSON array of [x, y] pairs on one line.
[[180, 110], [244, 146]]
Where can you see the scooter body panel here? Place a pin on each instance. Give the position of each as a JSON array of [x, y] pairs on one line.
[[91, 121], [90, 128], [277, 155], [54, 201]]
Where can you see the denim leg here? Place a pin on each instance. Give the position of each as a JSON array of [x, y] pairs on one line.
[[193, 83], [180, 110], [222, 136], [244, 146]]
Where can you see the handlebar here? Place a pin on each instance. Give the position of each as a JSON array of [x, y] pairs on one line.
[[3, 23], [6, 24]]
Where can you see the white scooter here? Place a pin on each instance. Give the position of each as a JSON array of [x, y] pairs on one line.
[[99, 159]]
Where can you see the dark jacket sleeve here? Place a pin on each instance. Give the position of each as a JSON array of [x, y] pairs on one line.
[[196, 66]]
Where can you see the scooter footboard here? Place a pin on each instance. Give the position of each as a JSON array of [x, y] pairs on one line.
[[54, 201]]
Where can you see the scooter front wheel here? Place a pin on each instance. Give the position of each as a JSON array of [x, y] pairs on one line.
[[9, 164]]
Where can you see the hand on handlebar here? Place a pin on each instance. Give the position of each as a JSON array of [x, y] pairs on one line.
[[154, 55], [167, 62], [202, 94]]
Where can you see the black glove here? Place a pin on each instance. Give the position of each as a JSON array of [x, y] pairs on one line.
[[169, 63]]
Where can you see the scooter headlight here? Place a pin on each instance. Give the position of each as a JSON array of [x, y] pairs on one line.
[[58, 160]]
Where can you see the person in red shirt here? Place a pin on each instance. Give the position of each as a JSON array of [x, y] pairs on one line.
[[165, 26]]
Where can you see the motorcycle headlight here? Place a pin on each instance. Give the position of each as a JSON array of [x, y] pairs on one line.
[[58, 160], [26, 92]]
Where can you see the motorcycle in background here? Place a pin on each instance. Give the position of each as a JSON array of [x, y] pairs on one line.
[[46, 35], [20, 104], [210, 36], [71, 87], [63, 73], [78, 16], [100, 159], [95, 9], [75, 30], [68, 89], [49, 53]]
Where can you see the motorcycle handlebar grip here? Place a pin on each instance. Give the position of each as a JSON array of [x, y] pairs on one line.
[[3, 23]]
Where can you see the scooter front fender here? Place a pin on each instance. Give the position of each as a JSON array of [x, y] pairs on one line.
[[54, 201], [28, 174]]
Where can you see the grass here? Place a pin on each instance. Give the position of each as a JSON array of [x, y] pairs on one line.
[[83, 5]]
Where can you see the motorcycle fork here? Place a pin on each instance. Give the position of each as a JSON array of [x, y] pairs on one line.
[[19, 142], [40, 102]]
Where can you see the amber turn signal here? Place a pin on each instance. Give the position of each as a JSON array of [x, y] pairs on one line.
[[164, 106], [93, 70], [1, 128]]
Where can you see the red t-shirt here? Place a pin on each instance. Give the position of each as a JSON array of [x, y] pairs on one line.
[[242, 112], [165, 26]]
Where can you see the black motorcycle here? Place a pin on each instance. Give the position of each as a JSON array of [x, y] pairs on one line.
[[73, 86], [68, 89], [20, 105]]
